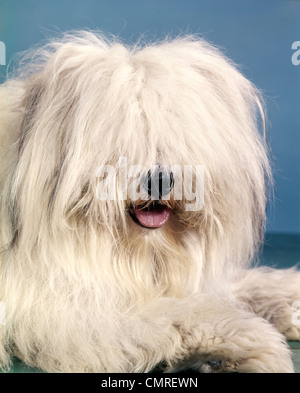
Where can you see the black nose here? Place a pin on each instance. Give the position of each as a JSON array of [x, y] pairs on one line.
[[159, 183]]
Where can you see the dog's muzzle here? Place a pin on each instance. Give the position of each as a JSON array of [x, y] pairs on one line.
[[158, 184]]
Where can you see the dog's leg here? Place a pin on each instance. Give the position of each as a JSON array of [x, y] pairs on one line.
[[202, 332], [273, 295], [212, 335]]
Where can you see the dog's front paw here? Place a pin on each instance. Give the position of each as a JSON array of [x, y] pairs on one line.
[[287, 321], [264, 362], [258, 363], [259, 348], [261, 363], [263, 350]]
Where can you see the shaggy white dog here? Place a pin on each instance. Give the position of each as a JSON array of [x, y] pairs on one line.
[[124, 284]]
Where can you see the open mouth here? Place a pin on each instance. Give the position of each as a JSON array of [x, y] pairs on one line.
[[153, 216]]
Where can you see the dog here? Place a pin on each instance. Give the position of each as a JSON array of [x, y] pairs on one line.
[[134, 182]]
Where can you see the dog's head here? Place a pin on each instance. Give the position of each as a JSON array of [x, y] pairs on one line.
[[152, 151]]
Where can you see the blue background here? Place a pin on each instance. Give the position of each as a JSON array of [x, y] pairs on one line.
[[257, 34]]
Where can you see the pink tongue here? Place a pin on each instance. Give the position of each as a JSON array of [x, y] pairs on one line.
[[152, 218]]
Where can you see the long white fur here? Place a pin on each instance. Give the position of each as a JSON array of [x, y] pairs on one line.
[[85, 288]]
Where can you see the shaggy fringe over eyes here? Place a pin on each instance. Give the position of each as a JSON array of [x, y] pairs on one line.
[[83, 101]]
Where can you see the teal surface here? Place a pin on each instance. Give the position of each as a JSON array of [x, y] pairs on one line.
[[281, 251], [296, 355], [19, 367]]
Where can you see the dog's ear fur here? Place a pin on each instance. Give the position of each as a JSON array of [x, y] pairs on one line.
[[12, 114], [32, 97], [19, 110]]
